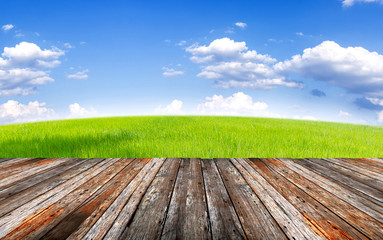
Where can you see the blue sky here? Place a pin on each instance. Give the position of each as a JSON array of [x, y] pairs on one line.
[[317, 59]]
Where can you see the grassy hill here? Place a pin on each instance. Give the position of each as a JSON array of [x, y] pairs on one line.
[[184, 136]]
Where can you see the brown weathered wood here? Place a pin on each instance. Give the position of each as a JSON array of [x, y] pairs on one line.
[[150, 216], [288, 217], [49, 163], [86, 215], [31, 181], [365, 163], [29, 194], [332, 226], [15, 162], [187, 214], [357, 176], [114, 220], [37, 225], [366, 191], [5, 159], [13, 219], [345, 194], [358, 219], [224, 221], [256, 220], [368, 173]]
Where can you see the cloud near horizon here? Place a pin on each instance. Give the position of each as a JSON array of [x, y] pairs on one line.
[[13, 111]]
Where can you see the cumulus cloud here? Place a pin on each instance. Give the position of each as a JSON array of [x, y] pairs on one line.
[[170, 72], [77, 111], [318, 93], [367, 104], [237, 104], [13, 111], [343, 114], [82, 75], [232, 65], [175, 107], [349, 3], [22, 68], [240, 24], [7, 27], [353, 68]]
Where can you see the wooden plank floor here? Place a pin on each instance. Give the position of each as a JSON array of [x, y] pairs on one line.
[[174, 198]]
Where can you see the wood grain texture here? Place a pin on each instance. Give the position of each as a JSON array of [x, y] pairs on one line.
[[158, 198], [187, 214], [224, 221]]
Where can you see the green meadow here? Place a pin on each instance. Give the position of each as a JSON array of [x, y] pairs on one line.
[[189, 136]]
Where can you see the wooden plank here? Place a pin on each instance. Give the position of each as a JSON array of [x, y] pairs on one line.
[[366, 191], [288, 217], [86, 215], [332, 226], [49, 163], [37, 225], [187, 214], [256, 220], [24, 168], [15, 201], [358, 219], [115, 219], [355, 168], [5, 159], [365, 163], [13, 219], [357, 176], [345, 194], [31, 181], [149, 218], [224, 221], [15, 162]]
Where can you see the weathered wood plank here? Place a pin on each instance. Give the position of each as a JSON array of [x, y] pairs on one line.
[[49, 163], [366, 191], [187, 214], [332, 226], [5, 159], [355, 168], [14, 162], [345, 194], [359, 177], [90, 212], [365, 163], [31, 181], [37, 225], [358, 219], [224, 221], [256, 220], [115, 219], [13, 219], [21, 198], [288, 217], [149, 218]]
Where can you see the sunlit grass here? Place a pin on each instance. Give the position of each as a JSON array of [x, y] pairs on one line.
[[204, 137]]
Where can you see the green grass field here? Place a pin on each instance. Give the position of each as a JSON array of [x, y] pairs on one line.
[[205, 137]]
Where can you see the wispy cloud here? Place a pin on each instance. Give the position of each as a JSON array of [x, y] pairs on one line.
[[82, 75], [170, 72], [241, 25], [7, 27]]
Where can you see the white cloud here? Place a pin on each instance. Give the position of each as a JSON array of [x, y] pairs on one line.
[[68, 45], [237, 104], [343, 114], [233, 65], [175, 107], [22, 68], [7, 27], [380, 116], [77, 111], [376, 101], [19, 34], [349, 3], [353, 68], [13, 111], [82, 75], [308, 117], [299, 34], [181, 43], [170, 72], [240, 24]]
